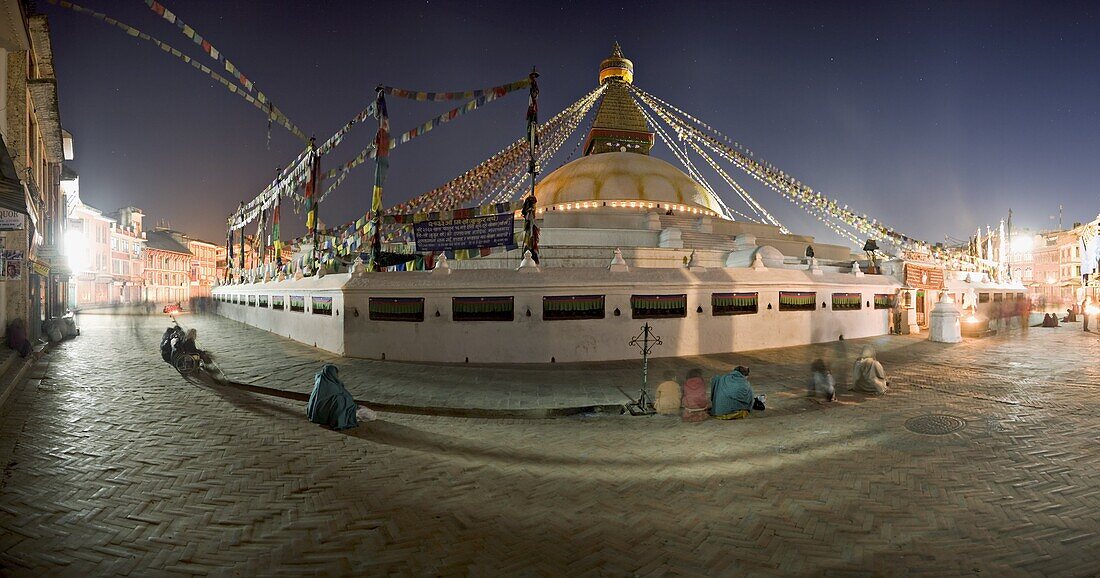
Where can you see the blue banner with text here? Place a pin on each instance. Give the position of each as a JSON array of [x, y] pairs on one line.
[[472, 233]]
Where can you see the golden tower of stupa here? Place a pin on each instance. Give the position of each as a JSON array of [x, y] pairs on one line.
[[619, 125]]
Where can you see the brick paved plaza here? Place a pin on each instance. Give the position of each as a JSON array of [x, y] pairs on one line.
[[114, 465]]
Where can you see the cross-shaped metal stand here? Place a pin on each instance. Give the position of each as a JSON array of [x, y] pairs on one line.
[[645, 341]]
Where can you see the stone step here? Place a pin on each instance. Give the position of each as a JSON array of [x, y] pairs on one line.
[[13, 369]]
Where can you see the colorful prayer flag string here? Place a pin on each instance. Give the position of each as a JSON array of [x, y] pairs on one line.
[[232, 87], [457, 95]]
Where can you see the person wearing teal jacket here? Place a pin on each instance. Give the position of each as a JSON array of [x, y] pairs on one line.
[[731, 393], [330, 403]]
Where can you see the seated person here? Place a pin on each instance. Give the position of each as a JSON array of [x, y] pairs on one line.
[[694, 400], [868, 375], [17, 338], [331, 404], [668, 396], [186, 344], [731, 394], [166, 342], [821, 381]]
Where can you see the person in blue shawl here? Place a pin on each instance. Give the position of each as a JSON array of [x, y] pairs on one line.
[[731, 394], [330, 403]]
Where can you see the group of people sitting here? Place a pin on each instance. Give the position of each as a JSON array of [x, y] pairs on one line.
[[1051, 320], [730, 395]]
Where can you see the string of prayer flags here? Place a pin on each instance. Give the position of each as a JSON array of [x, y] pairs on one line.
[[274, 113], [423, 96], [203, 43]]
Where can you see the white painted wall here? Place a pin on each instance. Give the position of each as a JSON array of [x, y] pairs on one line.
[[530, 339], [322, 331]]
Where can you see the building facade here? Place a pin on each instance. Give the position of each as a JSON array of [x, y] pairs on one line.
[[88, 244], [127, 257], [204, 266], [35, 280], [167, 269]]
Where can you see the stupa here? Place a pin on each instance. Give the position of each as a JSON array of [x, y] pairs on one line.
[[626, 239]]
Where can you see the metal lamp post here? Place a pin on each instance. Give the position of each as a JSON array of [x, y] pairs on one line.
[[645, 342]]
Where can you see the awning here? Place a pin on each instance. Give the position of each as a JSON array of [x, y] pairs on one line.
[[12, 196]]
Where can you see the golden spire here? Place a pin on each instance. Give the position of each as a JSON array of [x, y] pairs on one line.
[[616, 67], [619, 125]]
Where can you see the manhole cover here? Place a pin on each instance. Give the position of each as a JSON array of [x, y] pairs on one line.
[[935, 424]]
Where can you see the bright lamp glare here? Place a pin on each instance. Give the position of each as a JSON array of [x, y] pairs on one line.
[[76, 249]]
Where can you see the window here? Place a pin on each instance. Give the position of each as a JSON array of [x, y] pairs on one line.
[[983, 297], [998, 297], [658, 306], [885, 300], [396, 308], [482, 308], [797, 301], [277, 302], [559, 307], [322, 305], [298, 303], [734, 303], [251, 300], [847, 301], [263, 301]]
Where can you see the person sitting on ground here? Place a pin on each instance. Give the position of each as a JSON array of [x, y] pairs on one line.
[[668, 396], [166, 344], [695, 401], [731, 394], [821, 381], [186, 343], [867, 374], [331, 404], [17, 338]]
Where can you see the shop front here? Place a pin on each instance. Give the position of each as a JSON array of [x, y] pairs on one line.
[[923, 283]]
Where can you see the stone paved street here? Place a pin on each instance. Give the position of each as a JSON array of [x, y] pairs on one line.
[[114, 465]]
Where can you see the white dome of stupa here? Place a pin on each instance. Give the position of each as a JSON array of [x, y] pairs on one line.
[[623, 177]]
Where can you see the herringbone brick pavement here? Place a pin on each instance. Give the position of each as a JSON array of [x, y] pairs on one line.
[[113, 465]]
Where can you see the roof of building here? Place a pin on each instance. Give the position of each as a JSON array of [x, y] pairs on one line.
[[163, 241]]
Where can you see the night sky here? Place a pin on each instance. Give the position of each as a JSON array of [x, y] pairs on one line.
[[934, 118]]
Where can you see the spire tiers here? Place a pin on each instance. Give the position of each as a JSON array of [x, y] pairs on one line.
[[616, 67], [619, 125]]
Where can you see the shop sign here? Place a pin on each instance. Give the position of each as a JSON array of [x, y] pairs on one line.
[[12, 221]]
